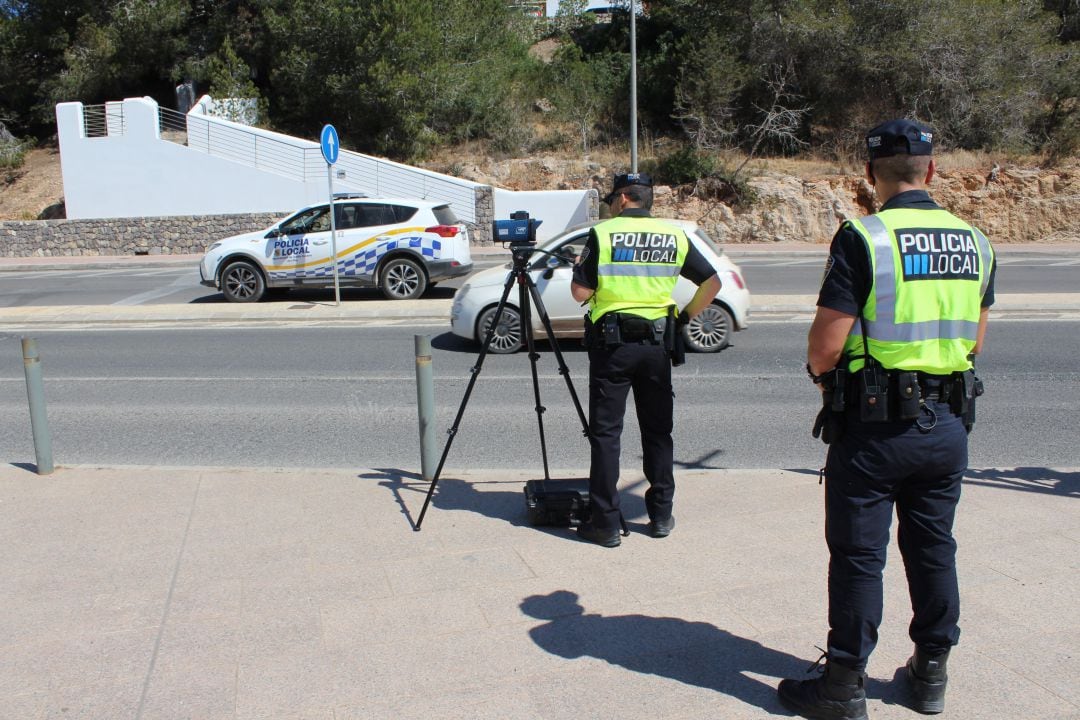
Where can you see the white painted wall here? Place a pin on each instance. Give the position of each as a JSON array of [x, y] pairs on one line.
[[557, 214], [134, 173], [228, 168]]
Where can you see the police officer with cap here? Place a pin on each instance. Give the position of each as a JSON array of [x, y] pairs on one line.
[[901, 315], [627, 272]]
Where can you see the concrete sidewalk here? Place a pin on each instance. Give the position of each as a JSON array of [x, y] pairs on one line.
[[428, 311], [145, 592]]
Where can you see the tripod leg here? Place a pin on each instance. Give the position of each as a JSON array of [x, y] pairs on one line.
[[524, 285], [468, 392], [563, 369]]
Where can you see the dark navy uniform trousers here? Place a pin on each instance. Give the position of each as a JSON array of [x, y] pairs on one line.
[[872, 469], [613, 372]]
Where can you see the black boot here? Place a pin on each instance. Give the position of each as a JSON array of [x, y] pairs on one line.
[[926, 681], [838, 694]]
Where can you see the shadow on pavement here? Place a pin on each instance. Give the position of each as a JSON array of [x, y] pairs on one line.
[[452, 494], [450, 342], [454, 343], [702, 462], [694, 653], [326, 295], [410, 490], [1028, 479]]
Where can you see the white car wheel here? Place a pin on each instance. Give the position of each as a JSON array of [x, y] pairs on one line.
[[507, 337], [710, 331]]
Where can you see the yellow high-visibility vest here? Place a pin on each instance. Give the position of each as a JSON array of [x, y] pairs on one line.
[[639, 262], [930, 272]]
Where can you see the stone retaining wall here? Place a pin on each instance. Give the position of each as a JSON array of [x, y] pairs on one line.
[[179, 235]]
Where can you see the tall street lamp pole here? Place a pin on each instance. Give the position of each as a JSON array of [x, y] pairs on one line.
[[633, 86]]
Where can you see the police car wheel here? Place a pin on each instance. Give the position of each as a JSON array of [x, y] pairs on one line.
[[710, 331], [507, 337], [242, 282], [402, 279]]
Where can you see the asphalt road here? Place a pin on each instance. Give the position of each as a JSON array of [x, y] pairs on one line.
[[768, 273], [326, 397]]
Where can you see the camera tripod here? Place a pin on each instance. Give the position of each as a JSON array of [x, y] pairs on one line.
[[526, 291]]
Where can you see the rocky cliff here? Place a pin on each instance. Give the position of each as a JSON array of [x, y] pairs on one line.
[[1010, 203]]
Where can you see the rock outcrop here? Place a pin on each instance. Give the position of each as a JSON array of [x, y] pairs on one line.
[[1013, 205], [1010, 203]]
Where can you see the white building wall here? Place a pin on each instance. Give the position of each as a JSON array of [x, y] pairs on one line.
[[228, 168], [555, 209], [134, 173]]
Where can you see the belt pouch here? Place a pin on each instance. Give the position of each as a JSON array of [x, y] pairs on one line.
[[962, 391], [633, 328], [673, 339], [873, 394], [612, 333], [659, 331], [669, 329], [908, 397]]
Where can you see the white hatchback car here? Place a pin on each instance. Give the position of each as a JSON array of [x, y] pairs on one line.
[[476, 301], [401, 246]]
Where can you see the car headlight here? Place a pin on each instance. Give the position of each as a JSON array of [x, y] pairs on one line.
[[215, 246]]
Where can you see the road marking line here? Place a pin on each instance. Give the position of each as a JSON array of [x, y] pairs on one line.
[[186, 280]]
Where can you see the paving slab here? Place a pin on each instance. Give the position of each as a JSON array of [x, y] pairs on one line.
[[245, 593]]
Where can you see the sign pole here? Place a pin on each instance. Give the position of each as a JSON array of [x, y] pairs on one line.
[[333, 234], [328, 142]]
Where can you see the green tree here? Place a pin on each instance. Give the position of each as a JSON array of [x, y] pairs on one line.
[[399, 75], [133, 51]]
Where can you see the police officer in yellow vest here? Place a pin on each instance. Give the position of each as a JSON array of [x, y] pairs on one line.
[[627, 272], [901, 315]]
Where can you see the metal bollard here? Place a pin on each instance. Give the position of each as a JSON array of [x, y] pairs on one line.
[[35, 393], [425, 405]]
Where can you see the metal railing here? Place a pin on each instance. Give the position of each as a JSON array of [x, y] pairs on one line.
[[378, 178], [103, 120]]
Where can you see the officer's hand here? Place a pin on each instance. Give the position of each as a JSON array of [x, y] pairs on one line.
[[683, 319]]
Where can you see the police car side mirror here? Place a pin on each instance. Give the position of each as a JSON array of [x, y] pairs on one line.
[[274, 232]]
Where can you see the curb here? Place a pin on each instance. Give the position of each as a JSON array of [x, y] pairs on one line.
[[390, 312]]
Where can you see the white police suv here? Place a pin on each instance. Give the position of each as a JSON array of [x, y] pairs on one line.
[[400, 246]]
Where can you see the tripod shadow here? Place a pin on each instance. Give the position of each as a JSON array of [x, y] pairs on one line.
[[702, 462], [408, 488], [694, 653], [1028, 479]]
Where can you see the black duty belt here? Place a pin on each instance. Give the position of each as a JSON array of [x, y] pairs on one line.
[[622, 328]]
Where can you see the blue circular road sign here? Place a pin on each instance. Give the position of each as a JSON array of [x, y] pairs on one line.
[[328, 141]]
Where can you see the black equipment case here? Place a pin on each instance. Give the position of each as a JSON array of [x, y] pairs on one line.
[[562, 502]]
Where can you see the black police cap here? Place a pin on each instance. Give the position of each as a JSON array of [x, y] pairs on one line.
[[899, 137], [626, 180]]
